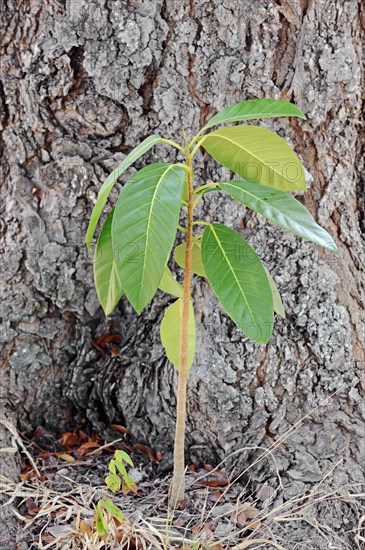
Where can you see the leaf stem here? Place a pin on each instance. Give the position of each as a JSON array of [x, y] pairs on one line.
[[206, 186], [195, 138], [173, 144], [197, 147], [180, 228], [177, 492], [199, 222]]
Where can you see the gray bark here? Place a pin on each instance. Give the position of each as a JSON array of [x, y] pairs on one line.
[[83, 83]]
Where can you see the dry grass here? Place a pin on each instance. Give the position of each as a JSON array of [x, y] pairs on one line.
[[63, 511], [64, 520]]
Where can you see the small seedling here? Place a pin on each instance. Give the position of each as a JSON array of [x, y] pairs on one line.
[[137, 238], [117, 479]]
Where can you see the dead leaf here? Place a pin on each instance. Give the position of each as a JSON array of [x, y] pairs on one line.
[[121, 429], [85, 528], [70, 439], [241, 519], [127, 488], [265, 492], [65, 457], [146, 451], [86, 448], [250, 511], [213, 483]]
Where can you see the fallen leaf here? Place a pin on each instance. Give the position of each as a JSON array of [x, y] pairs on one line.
[[85, 528], [31, 505], [146, 451], [66, 457], [213, 483], [241, 519], [70, 439], [120, 428], [250, 511], [127, 488], [85, 448], [38, 433], [265, 492]]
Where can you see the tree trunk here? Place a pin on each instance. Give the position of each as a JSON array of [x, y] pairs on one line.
[[83, 83]]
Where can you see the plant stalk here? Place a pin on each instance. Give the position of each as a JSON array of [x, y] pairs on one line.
[[177, 491]]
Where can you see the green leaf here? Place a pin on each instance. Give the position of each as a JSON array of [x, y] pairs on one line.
[[239, 280], [108, 184], [100, 521], [113, 482], [170, 333], [113, 510], [254, 109], [144, 228], [106, 276], [281, 209], [170, 285], [111, 466], [256, 155], [121, 468], [197, 264], [276, 298], [123, 456]]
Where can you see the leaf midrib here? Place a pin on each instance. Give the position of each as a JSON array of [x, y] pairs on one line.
[[144, 270], [281, 212], [238, 283]]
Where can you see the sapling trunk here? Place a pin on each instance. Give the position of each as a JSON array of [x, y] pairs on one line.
[[177, 492]]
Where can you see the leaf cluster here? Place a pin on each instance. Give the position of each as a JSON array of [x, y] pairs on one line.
[[118, 478], [136, 241]]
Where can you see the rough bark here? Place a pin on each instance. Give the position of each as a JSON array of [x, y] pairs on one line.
[[84, 82]]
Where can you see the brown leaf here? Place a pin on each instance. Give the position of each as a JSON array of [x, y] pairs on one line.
[[241, 519], [31, 505], [254, 525], [38, 433], [213, 483], [85, 528], [108, 339], [250, 511], [104, 340], [121, 429], [87, 447], [146, 451], [127, 488], [70, 439]]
